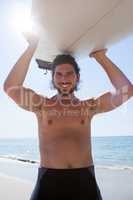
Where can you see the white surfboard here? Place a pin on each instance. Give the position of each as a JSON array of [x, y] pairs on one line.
[[81, 26]]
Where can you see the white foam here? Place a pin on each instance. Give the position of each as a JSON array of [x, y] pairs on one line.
[[115, 167]]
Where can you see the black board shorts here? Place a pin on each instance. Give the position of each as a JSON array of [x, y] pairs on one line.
[[71, 184]]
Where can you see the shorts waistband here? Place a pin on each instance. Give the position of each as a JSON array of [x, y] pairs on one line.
[[42, 168]]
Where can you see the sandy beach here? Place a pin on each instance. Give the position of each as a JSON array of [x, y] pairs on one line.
[[14, 188], [17, 180]]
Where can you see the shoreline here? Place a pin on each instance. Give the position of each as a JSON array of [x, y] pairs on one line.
[[19, 159]]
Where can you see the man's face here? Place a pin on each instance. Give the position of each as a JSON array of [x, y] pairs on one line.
[[65, 78]]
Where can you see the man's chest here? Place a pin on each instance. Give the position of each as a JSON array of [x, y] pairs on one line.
[[65, 117]]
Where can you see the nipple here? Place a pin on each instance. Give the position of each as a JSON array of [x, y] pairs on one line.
[[82, 121]]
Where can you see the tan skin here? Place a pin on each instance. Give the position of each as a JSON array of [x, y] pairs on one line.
[[64, 121]]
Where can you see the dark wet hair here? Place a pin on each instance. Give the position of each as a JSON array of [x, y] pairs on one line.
[[65, 59]]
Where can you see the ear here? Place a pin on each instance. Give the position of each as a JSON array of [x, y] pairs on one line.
[[78, 77]]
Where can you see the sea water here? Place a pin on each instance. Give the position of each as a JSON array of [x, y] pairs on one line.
[[107, 151]]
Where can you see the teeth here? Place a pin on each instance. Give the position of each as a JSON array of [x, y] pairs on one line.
[[64, 85]]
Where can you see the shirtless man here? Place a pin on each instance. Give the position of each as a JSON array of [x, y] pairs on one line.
[[66, 168]]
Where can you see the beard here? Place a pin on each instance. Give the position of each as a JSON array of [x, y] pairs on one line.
[[65, 92]]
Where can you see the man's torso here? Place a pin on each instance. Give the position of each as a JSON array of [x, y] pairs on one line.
[[64, 134]]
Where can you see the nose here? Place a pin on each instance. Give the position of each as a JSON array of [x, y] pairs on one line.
[[64, 79]]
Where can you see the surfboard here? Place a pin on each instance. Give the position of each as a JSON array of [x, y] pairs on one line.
[[80, 26]]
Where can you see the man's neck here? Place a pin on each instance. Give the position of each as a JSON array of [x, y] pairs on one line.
[[66, 99], [64, 96]]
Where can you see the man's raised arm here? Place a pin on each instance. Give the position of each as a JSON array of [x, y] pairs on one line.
[[123, 87], [13, 85]]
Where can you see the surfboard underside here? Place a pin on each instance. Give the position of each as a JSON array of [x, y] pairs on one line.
[[80, 26]]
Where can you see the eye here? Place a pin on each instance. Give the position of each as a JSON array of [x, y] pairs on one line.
[[70, 73], [58, 74]]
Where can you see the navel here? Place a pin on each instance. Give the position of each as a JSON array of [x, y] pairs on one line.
[[69, 166], [50, 121]]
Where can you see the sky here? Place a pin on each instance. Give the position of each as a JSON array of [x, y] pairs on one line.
[[18, 123]]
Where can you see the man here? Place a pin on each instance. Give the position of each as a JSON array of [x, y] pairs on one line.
[[66, 168]]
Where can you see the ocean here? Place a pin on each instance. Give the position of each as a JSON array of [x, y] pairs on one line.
[[107, 151]]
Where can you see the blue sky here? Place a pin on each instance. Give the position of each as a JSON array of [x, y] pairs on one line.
[[16, 122]]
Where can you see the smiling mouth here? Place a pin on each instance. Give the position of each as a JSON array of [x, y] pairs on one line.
[[65, 85]]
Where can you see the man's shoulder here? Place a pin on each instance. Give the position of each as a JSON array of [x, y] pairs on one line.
[[47, 101], [89, 103]]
